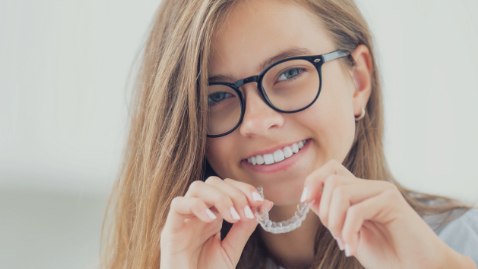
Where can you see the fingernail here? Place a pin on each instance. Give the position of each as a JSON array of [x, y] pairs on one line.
[[305, 194], [340, 243], [234, 214], [248, 212], [347, 250], [257, 197], [210, 214]]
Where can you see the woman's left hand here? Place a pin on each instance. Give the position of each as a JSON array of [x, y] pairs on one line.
[[371, 220]]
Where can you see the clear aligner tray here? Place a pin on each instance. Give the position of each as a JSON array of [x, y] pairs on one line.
[[284, 226]]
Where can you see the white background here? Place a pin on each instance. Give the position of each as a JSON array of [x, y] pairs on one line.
[[65, 75]]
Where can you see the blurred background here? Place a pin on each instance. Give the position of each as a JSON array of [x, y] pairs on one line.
[[65, 89]]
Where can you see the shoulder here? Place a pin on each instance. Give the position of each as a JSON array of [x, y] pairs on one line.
[[461, 233]]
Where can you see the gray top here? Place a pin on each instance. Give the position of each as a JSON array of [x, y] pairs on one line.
[[461, 234]]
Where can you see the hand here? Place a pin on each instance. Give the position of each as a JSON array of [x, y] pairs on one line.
[[191, 235], [372, 221]]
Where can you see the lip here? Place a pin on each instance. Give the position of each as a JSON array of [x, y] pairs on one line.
[[276, 167]]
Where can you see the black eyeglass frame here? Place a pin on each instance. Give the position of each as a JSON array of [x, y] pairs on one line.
[[316, 60]]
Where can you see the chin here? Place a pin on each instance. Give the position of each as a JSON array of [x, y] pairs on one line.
[[283, 192]]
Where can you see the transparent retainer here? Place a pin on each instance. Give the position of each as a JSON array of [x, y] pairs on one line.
[[284, 226]]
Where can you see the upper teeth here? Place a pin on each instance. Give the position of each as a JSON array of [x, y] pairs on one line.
[[278, 155]]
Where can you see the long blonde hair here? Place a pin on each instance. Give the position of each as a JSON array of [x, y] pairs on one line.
[[167, 140]]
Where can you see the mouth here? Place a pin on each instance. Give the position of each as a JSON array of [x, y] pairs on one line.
[[278, 155]]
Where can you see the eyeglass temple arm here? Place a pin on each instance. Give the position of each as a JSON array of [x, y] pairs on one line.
[[334, 55]]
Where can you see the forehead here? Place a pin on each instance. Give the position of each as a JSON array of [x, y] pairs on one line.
[[254, 31]]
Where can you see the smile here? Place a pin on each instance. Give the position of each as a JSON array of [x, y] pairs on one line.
[[278, 155]]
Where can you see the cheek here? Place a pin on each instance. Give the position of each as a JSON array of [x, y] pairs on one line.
[[332, 122]]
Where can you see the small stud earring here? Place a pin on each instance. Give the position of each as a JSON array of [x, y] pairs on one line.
[[361, 116]]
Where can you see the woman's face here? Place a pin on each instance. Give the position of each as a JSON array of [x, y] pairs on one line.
[[254, 32]]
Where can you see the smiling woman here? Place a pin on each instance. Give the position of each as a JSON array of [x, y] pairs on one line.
[[285, 96]]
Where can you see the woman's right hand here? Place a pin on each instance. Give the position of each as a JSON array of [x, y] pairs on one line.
[[191, 235]]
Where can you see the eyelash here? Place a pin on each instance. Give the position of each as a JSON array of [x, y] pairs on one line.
[[299, 72], [213, 103]]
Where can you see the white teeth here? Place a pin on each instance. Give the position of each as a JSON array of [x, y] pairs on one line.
[[288, 152], [278, 156], [268, 159], [302, 143], [295, 148], [259, 159]]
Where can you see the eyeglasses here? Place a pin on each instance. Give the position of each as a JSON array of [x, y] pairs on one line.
[[287, 86]]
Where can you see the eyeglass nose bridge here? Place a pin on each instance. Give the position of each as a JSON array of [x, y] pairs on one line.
[[258, 79], [244, 81]]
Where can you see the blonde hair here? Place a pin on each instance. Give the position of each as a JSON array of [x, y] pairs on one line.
[[167, 140]]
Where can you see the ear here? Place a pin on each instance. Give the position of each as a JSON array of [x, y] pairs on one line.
[[362, 77]]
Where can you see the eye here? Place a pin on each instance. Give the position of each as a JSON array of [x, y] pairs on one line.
[[217, 97], [290, 74]]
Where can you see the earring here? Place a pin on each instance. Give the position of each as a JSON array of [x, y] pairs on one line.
[[361, 116]]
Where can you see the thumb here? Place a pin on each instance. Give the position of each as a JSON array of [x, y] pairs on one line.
[[237, 237]]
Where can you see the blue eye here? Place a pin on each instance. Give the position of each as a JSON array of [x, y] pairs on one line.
[[290, 74], [217, 97]]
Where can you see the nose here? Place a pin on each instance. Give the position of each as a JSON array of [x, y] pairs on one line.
[[259, 118]]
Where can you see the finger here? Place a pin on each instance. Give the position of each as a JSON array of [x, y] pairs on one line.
[[255, 199], [330, 184], [238, 197], [373, 209], [237, 237], [314, 182], [343, 196], [336, 210], [183, 208], [214, 197]]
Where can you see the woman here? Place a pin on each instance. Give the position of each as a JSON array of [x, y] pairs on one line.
[[282, 95]]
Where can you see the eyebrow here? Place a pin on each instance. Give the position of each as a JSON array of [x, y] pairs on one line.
[[291, 52]]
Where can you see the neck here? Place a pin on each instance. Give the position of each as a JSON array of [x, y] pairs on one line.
[[294, 249]]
